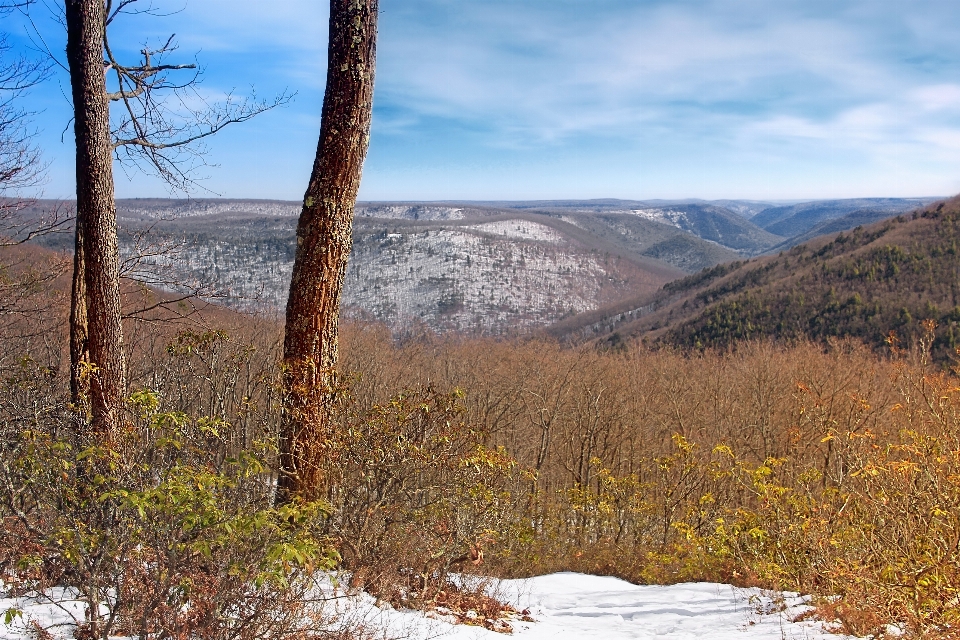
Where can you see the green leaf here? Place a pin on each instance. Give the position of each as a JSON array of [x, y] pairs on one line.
[[10, 614]]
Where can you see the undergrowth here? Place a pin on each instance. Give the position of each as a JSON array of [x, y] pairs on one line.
[[162, 533], [825, 470]]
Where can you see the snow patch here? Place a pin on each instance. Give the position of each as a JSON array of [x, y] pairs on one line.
[[564, 605], [666, 216], [520, 230], [570, 605]]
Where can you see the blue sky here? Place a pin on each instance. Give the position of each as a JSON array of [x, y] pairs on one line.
[[543, 99]]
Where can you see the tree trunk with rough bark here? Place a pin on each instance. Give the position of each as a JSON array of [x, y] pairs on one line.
[[324, 240], [96, 291], [79, 355]]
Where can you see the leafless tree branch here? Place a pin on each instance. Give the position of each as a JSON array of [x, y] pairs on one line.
[[36, 37], [11, 5], [164, 121], [20, 164], [17, 228], [122, 7]]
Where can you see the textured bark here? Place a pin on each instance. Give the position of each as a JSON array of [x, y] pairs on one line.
[[99, 288], [324, 240], [79, 355]]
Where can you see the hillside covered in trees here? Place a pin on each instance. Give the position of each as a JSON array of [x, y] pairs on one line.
[[711, 404], [864, 283]]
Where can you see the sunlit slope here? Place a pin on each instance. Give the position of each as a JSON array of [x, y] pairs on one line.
[[449, 267], [798, 219], [864, 283]]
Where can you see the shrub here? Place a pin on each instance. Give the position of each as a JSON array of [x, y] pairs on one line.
[[164, 533], [414, 495]]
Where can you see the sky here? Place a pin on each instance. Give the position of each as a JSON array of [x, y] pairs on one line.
[[562, 99]]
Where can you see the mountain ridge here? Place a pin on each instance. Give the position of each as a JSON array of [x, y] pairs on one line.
[[457, 266], [863, 283]]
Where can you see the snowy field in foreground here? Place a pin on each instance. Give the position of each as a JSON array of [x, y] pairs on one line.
[[576, 606]]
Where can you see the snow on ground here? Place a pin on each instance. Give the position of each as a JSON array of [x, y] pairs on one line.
[[520, 230], [585, 607], [58, 618], [665, 216], [570, 605]]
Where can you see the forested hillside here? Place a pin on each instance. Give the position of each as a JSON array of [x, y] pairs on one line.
[[796, 219], [865, 284], [492, 268], [296, 415]]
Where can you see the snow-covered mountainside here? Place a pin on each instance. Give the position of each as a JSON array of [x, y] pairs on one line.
[[667, 216], [716, 224], [410, 211], [454, 266], [156, 208], [486, 275], [489, 277], [164, 209]]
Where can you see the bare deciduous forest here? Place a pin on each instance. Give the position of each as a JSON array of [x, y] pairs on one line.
[[825, 468], [172, 469]]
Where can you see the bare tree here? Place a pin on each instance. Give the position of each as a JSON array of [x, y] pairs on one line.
[[23, 282], [20, 164], [324, 240], [153, 129]]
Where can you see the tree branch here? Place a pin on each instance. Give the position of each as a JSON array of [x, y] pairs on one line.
[[157, 135]]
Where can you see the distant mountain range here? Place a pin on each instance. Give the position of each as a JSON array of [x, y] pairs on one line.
[[865, 283], [492, 267], [797, 219]]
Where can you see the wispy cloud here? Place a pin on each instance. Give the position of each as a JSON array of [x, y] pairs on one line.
[[633, 98], [295, 27], [551, 70]]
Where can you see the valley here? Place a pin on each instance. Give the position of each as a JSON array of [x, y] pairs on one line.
[[866, 283], [490, 268]]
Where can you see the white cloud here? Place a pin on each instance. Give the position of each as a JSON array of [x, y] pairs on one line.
[[564, 77], [295, 26], [938, 97], [906, 130], [704, 91]]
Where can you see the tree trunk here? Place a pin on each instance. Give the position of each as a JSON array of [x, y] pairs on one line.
[[79, 355], [324, 240], [99, 288]]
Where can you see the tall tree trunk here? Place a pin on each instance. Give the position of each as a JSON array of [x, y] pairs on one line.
[[324, 240], [96, 217], [79, 355]]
